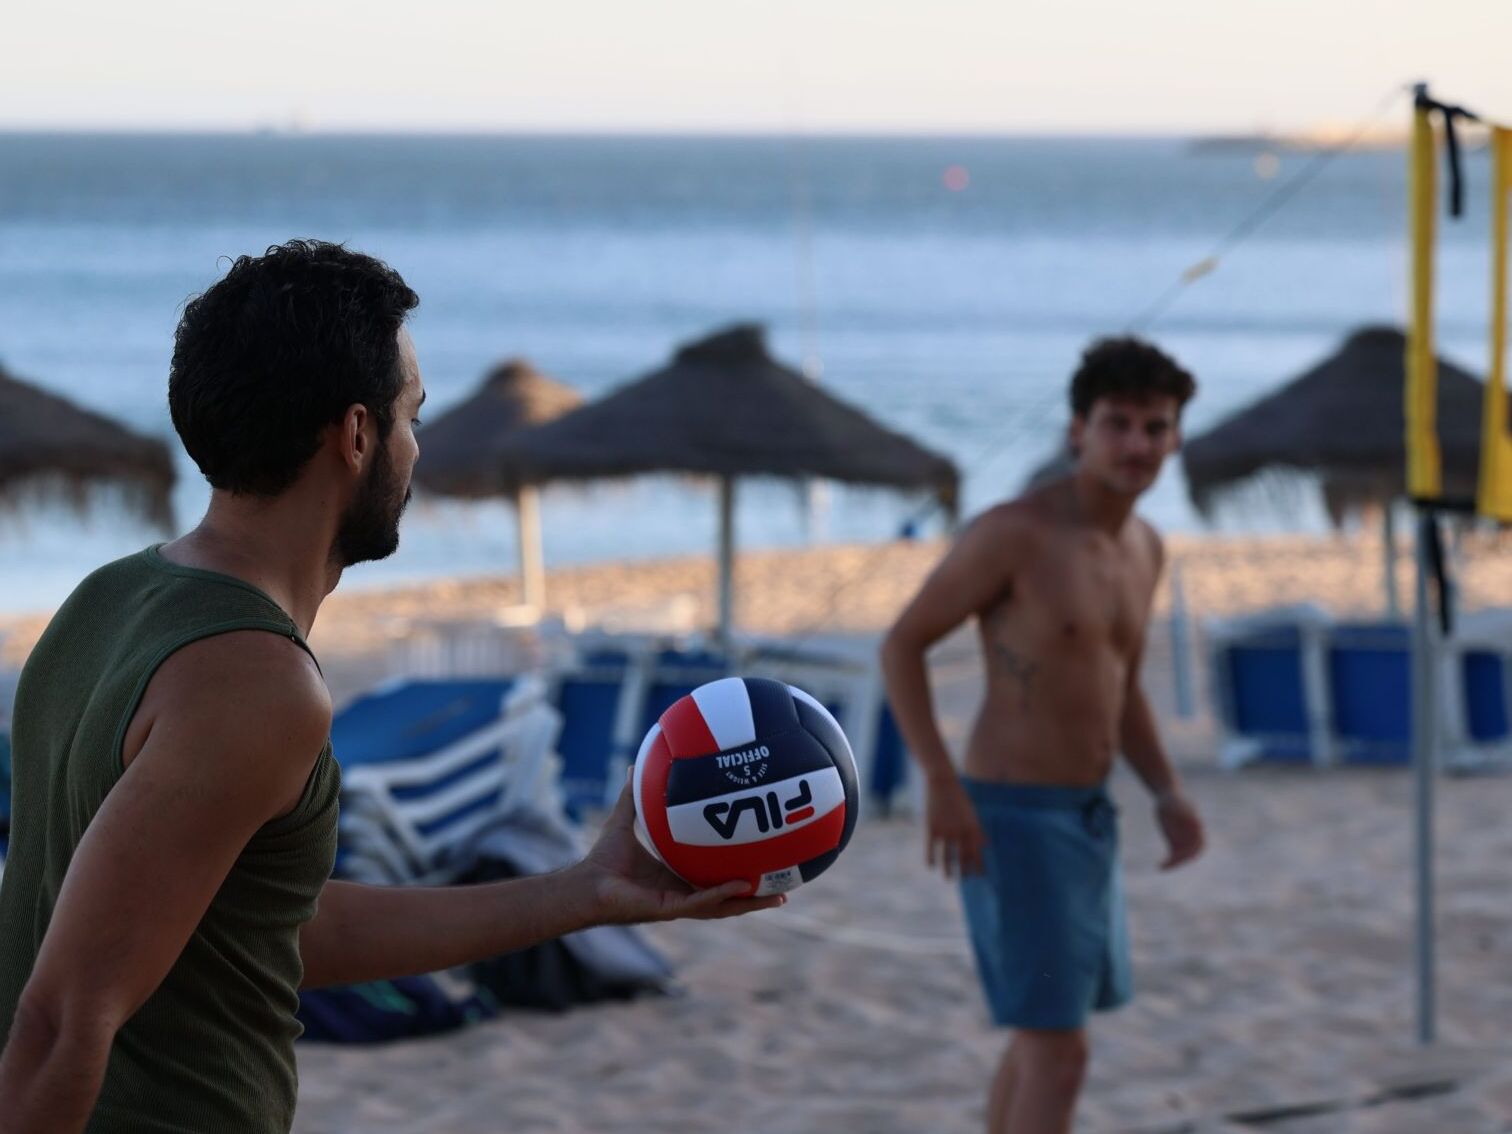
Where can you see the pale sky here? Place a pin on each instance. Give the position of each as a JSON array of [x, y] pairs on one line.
[[765, 65]]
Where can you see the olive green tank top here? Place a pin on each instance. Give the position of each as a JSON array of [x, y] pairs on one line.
[[213, 1048]]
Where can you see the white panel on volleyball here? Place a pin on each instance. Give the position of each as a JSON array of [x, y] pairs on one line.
[[744, 816], [725, 706]]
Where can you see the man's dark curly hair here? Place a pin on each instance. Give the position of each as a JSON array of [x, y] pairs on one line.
[[279, 349], [1127, 367]]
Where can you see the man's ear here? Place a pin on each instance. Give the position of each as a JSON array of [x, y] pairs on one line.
[[1074, 433], [356, 442]]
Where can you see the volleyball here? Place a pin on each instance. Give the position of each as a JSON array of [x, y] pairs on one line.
[[746, 778]]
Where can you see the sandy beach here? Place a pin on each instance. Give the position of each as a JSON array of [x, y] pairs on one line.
[[1274, 976], [651, 289]]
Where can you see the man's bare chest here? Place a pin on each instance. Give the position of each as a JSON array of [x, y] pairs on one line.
[[1076, 600]]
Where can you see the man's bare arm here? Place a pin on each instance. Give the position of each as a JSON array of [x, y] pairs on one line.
[[1142, 748], [1178, 818], [976, 570], [1140, 736], [245, 722], [364, 933]]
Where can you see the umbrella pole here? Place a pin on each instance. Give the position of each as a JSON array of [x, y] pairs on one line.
[[532, 559], [726, 561], [1389, 550], [1425, 768], [816, 511]]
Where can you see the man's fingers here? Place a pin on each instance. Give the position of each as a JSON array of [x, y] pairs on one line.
[[714, 896], [739, 888], [954, 854], [727, 900]]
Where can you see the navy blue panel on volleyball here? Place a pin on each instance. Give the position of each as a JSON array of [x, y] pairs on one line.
[[823, 728], [795, 751], [771, 706]]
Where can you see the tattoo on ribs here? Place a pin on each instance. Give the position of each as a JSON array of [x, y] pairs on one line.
[[1018, 668]]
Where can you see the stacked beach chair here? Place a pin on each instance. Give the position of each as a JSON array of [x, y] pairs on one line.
[[429, 763], [1295, 686]]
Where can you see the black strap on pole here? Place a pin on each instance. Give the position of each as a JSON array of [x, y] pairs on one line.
[[1438, 566], [1452, 152]]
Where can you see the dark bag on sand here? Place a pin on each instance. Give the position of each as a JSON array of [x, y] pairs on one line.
[[390, 1009], [606, 963]]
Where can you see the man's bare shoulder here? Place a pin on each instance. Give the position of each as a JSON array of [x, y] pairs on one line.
[[1023, 516], [1023, 521], [236, 681]]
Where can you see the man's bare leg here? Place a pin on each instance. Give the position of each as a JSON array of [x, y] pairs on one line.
[[1000, 1098], [1049, 1068]]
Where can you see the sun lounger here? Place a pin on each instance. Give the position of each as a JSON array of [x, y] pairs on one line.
[[428, 764], [1477, 674], [599, 702], [1370, 692], [1269, 685], [1292, 686]]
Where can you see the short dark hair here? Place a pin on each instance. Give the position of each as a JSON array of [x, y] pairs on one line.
[[1130, 368], [277, 350]]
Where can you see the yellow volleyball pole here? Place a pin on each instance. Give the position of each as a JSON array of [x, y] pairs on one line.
[[1424, 466], [1424, 484], [1494, 490]]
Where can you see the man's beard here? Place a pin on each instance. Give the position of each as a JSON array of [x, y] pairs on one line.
[[369, 528]]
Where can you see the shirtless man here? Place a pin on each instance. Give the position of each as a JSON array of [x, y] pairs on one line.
[[175, 793], [1061, 582]]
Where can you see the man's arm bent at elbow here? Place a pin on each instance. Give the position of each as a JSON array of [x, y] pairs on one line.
[[975, 572], [152, 859], [362, 933], [1139, 737]]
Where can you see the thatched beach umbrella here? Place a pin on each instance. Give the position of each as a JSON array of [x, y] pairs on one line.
[[459, 452], [1344, 421], [723, 407], [48, 442]]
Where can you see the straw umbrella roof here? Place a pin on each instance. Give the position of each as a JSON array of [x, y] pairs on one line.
[[724, 407], [48, 442], [1344, 421], [459, 450]]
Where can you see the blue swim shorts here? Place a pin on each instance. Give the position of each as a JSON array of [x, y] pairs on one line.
[[1047, 916]]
